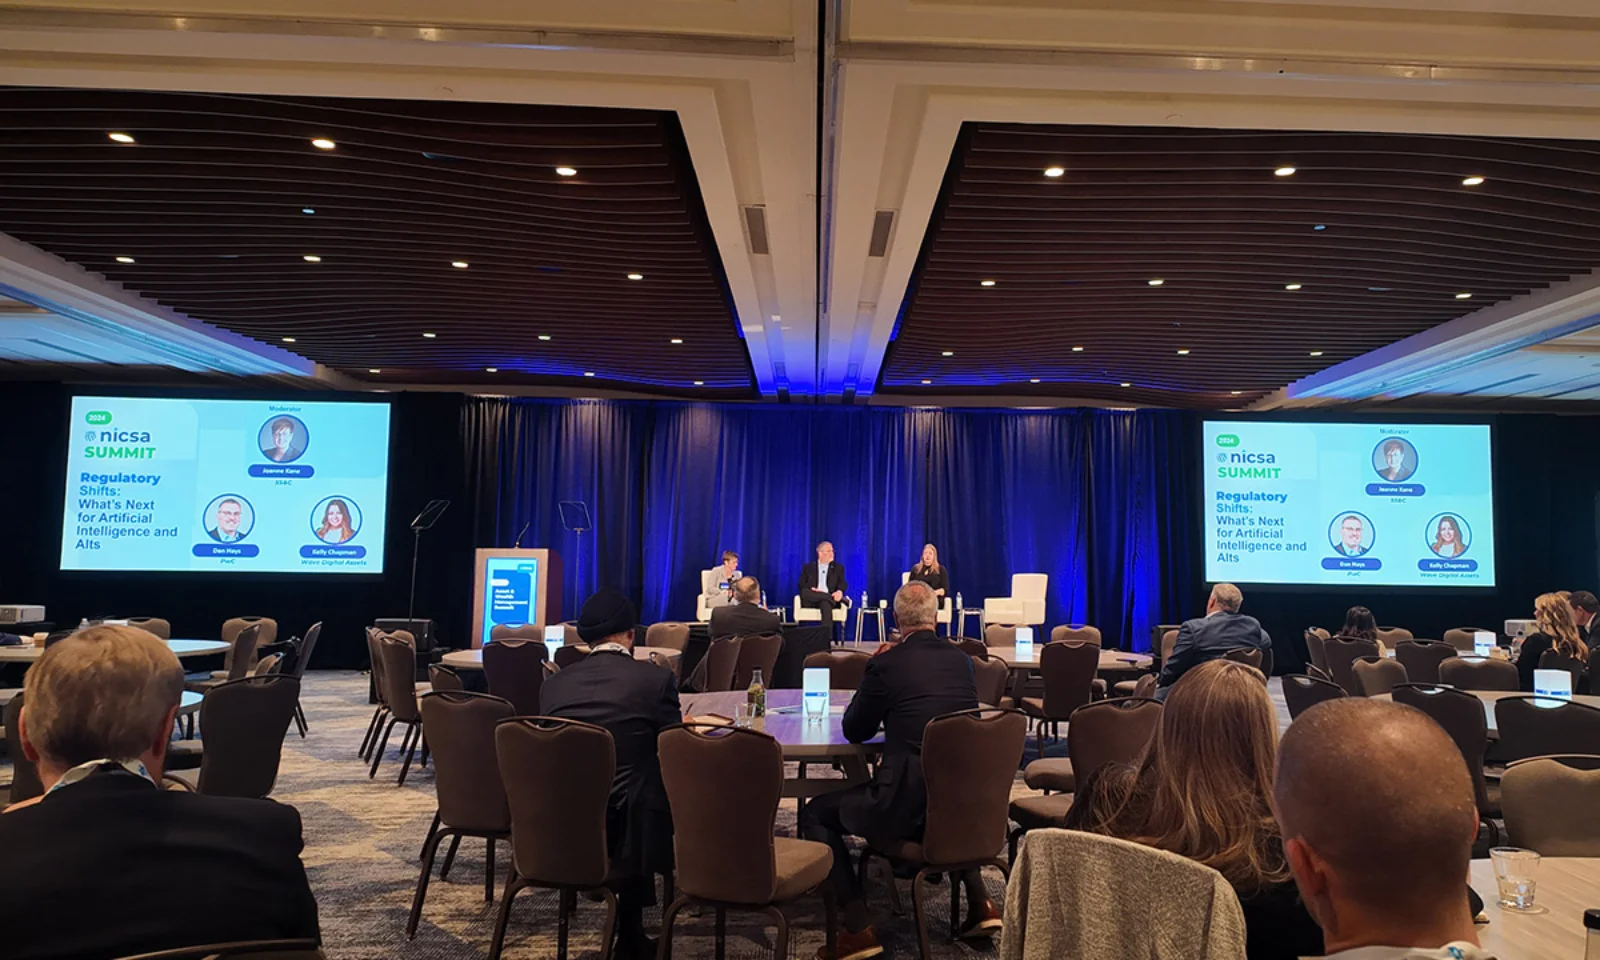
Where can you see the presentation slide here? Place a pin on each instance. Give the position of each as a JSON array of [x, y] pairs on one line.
[[1340, 504], [235, 486], [511, 595]]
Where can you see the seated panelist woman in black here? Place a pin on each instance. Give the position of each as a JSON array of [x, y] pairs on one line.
[[930, 571]]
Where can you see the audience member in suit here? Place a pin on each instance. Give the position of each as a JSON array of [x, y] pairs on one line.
[[86, 865], [635, 701], [822, 585], [1552, 613], [745, 617], [1390, 890], [1223, 628], [904, 687], [1203, 789], [930, 571], [1584, 609]]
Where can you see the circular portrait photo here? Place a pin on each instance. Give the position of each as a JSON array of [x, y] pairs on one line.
[[1395, 459], [229, 518], [1351, 534], [1448, 535], [283, 439], [336, 520]]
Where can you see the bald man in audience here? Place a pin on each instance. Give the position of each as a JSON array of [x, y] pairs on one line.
[[1376, 810]]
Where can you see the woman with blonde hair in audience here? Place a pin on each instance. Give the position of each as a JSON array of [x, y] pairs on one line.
[[1201, 790], [1552, 613]]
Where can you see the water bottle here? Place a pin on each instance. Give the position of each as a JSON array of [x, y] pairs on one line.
[[863, 599], [1591, 924], [958, 601], [756, 695], [83, 624], [764, 600]]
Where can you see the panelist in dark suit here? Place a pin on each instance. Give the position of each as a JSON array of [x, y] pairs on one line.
[[745, 617], [81, 863], [1223, 628], [634, 700], [822, 584], [918, 679], [930, 571]]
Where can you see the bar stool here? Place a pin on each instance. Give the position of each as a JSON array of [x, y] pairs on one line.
[[864, 611], [962, 613]]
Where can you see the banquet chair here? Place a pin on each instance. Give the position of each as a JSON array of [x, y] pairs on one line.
[[155, 625], [399, 661], [514, 671], [1069, 673], [724, 786], [672, 636], [1301, 692], [557, 776], [266, 636], [1473, 673], [945, 605], [567, 655], [1316, 647], [1389, 636], [1464, 638], [973, 648], [1552, 805], [757, 651], [244, 722], [1341, 653], [1025, 606], [721, 662], [302, 949], [1081, 633], [1556, 660], [267, 665], [992, 676], [443, 679], [25, 783], [1169, 640], [1249, 657], [1532, 726], [1462, 717], [302, 660], [969, 761], [1377, 675], [999, 635], [460, 728], [1111, 731], [381, 710], [241, 659], [1422, 658], [523, 631], [845, 667]]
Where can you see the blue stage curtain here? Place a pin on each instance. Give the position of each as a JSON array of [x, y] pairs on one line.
[[1099, 500]]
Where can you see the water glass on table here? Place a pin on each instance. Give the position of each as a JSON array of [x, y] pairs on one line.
[[1516, 871], [742, 715]]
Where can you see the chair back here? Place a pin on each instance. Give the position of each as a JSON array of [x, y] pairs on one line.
[[999, 635], [991, 675], [1474, 673], [1316, 646], [1301, 692], [1552, 805], [399, 661], [524, 631], [569, 634], [969, 761], [1389, 636], [1068, 670], [1341, 653], [1169, 640], [155, 625], [557, 776], [672, 635], [724, 786], [1146, 687], [300, 949], [722, 659], [567, 655], [1422, 658], [1244, 655], [244, 722], [265, 637], [1462, 638], [1461, 714], [460, 730], [514, 670], [845, 667], [1538, 727], [1082, 633], [973, 648], [25, 784], [1377, 675], [757, 651], [267, 665], [302, 657], [1111, 731], [1029, 586], [1554, 659], [241, 655], [443, 679]]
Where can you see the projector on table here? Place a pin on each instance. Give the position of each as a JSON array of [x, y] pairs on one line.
[[20, 613]]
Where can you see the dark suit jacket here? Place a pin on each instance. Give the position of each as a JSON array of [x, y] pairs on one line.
[[87, 871], [1210, 638], [808, 579], [635, 701], [920, 678], [1344, 551], [743, 619]]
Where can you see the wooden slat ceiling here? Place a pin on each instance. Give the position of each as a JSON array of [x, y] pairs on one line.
[[210, 203], [1379, 230]]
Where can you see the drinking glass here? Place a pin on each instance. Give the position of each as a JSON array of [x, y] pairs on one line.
[[1517, 872], [741, 715]]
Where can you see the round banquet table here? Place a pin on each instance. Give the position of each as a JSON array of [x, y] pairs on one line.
[[1567, 887], [1109, 659], [1489, 698], [28, 652], [800, 738], [473, 659]]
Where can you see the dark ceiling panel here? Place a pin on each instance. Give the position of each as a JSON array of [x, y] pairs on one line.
[[209, 203], [1379, 231]]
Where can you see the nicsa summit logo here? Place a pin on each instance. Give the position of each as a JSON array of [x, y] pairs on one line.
[[112, 443], [1244, 465]]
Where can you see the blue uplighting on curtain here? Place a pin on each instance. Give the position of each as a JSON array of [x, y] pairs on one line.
[[1099, 500]]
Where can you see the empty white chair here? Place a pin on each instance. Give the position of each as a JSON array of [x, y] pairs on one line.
[[1025, 606]]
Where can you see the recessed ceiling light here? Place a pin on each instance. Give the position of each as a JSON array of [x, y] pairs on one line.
[[947, 353], [927, 381], [635, 276], [323, 143], [1463, 296], [374, 370], [1472, 182], [1284, 172], [676, 340], [1320, 226], [1291, 286], [125, 260], [1156, 282], [460, 264], [491, 369], [1125, 384], [1077, 349], [1034, 380], [699, 383], [566, 171], [588, 373], [544, 336], [308, 211], [1236, 392], [1054, 171], [288, 339], [1316, 353], [1183, 352], [121, 137], [311, 258], [985, 283], [429, 336]]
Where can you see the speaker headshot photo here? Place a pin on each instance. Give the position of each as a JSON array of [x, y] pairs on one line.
[[1351, 535], [1448, 536], [283, 439], [336, 520], [1395, 459], [228, 519]]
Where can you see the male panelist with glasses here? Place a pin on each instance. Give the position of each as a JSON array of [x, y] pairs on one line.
[[822, 585]]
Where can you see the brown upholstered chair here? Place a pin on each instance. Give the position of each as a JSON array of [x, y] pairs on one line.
[[1082, 633], [992, 676], [1389, 636], [724, 786], [1552, 805], [399, 661], [1461, 715], [1463, 638], [244, 722], [1068, 670], [1537, 727], [155, 625], [526, 631], [973, 648], [557, 776], [1316, 647], [266, 636], [571, 653], [1556, 660], [1343, 651], [241, 658], [721, 660], [845, 667], [1376, 675], [757, 651], [1112, 731], [303, 949], [1000, 635], [1422, 658], [25, 783], [1249, 657], [969, 761], [460, 728], [267, 665], [443, 679], [514, 670], [1169, 639], [1316, 672], [1301, 692], [302, 661], [381, 711], [1477, 673], [672, 635]]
